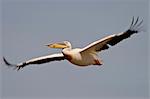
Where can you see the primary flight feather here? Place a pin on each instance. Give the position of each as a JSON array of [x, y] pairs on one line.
[[82, 56]]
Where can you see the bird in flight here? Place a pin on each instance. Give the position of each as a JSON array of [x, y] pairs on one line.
[[82, 56]]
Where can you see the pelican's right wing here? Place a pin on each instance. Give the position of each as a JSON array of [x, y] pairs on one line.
[[39, 60], [114, 39]]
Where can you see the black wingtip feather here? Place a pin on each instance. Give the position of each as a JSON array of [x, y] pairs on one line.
[[135, 27], [132, 22], [135, 24], [6, 62], [11, 65], [137, 19]]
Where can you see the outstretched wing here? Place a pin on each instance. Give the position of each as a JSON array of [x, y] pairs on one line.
[[104, 43], [39, 60]]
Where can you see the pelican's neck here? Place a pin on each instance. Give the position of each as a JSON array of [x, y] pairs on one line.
[[69, 46], [66, 51]]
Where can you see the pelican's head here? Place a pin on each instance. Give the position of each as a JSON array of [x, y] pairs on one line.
[[62, 45]]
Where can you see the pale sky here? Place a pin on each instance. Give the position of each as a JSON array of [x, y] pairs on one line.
[[27, 25]]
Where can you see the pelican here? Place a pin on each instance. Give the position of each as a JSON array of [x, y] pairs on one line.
[[82, 56]]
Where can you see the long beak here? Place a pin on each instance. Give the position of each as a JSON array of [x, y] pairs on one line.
[[57, 45]]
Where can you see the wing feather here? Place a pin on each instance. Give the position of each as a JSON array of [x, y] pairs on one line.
[[112, 40], [39, 60]]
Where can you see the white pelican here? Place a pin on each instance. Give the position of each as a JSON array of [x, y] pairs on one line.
[[82, 56]]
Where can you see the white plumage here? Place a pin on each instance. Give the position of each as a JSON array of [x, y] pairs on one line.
[[82, 56]]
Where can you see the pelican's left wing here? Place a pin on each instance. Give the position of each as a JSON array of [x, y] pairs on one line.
[[111, 40], [39, 60]]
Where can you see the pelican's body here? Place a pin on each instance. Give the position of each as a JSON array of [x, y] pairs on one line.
[[81, 59], [82, 56], [73, 56]]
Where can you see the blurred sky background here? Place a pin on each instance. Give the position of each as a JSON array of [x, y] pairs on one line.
[[27, 25]]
